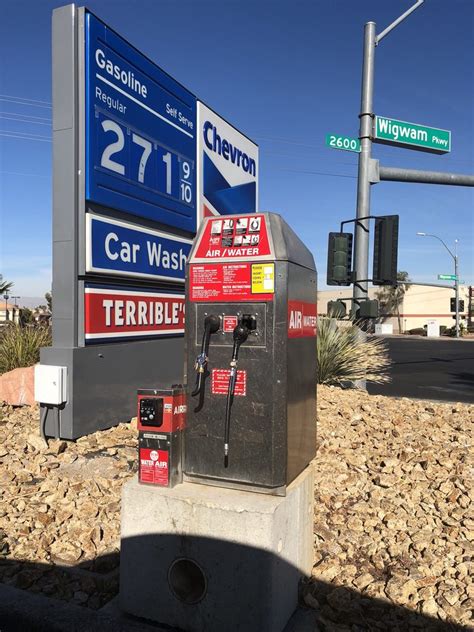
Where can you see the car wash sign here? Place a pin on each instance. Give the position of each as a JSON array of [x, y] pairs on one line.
[[121, 248], [140, 133], [227, 162]]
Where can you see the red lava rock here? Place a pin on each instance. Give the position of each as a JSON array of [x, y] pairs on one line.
[[17, 387]]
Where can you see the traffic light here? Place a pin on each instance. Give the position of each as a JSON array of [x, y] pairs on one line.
[[385, 250], [336, 309], [453, 304], [368, 309], [339, 259]]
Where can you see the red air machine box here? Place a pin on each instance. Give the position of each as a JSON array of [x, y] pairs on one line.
[[161, 419]]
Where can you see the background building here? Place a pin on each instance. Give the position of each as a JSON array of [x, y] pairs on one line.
[[419, 304], [8, 313]]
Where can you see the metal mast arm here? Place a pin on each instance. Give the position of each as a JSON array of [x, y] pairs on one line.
[[391, 26]]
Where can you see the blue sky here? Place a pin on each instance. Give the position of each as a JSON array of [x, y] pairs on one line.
[[286, 73]]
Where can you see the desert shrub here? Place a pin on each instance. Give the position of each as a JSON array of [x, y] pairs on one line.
[[20, 346], [343, 355], [418, 331]]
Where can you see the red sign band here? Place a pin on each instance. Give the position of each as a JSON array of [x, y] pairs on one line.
[[115, 313], [302, 319]]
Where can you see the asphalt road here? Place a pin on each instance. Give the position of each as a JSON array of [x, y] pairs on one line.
[[424, 368]]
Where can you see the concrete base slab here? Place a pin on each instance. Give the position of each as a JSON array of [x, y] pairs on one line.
[[207, 559]]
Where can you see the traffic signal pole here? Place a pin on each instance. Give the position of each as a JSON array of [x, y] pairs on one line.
[[456, 274], [365, 175], [361, 238]]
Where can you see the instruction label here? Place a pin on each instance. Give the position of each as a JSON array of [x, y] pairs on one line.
[[220, 382], [263, 278], [154, 466], [227, 282]]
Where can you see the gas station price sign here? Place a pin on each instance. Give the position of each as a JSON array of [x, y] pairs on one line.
[[140, 133]]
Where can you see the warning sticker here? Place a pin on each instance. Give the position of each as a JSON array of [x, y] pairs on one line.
[[226, 282], [229, 324], [263, 278], [220, 382], [154, 466]]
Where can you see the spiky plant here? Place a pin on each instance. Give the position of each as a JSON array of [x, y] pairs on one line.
[[344, 355], [20, 346]]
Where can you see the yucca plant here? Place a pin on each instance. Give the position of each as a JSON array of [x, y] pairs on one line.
[[20, 346], [343, 355]]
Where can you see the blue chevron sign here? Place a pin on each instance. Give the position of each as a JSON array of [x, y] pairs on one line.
[[227, 162]]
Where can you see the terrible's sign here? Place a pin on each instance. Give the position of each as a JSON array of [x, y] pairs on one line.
[[118, 313]]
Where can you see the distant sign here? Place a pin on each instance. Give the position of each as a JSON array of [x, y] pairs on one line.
[[411, 135], [122, 248], [343, 142], [447, 277], [118, 312], [227, 167], [140, 133]]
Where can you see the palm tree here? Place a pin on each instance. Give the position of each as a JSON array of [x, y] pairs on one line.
[[391, 296], [5, 286]]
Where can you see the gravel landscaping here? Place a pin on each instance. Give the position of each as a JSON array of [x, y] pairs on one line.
[[393, 512]]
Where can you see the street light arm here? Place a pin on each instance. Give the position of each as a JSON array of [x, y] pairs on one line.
[[391, 26], [439, 239]]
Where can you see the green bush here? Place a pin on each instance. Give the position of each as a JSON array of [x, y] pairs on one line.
[[20, 346], [343, 355], [418, 331]]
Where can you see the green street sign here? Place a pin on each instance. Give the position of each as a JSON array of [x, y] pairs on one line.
[[447, 277], [411, 135], [343, 142]]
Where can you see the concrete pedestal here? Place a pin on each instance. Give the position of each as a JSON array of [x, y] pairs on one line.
[[207, 559]]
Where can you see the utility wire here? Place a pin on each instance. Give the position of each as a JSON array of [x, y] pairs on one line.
[[43, 139], [36, 105], [319, 173], [15, 96], [31, 116], [28, 122], [17, 173], [9, 131]]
